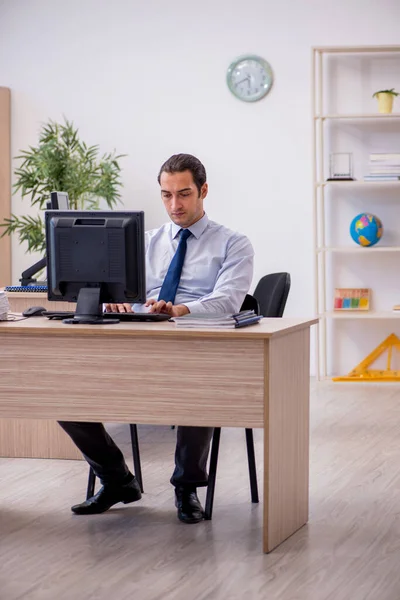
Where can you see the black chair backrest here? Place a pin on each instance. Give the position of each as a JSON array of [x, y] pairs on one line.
[[250, 303], [271, 293]]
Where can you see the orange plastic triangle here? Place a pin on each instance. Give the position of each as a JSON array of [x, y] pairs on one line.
[[362, 373]]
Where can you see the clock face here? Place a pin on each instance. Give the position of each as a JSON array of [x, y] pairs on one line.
[[250, 78]]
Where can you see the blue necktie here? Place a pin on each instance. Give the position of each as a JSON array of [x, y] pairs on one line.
[[171, 281]]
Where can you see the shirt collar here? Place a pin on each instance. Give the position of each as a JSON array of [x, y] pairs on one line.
[[196, 229]]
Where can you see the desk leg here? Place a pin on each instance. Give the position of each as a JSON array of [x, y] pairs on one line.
[[286, 436]]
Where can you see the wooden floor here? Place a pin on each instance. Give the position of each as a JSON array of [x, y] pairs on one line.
[[350, 550]]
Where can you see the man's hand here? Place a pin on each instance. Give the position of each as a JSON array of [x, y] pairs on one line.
[[118, 308], [160, 306]]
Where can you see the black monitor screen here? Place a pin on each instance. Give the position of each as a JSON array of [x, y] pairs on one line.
[[95, 254]]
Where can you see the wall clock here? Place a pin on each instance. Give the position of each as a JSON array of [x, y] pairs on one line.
[[249, 78]]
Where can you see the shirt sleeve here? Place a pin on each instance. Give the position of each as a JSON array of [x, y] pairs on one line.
[[233, 281]]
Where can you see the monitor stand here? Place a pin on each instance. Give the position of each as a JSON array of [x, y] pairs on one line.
[[89, 309], [27, 276]]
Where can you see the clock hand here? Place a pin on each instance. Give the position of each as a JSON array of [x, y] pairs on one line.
[[243, 80]]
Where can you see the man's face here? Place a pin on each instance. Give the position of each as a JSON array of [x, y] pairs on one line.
[[181, 197]]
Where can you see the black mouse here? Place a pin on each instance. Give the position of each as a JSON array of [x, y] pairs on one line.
[[34, 311]]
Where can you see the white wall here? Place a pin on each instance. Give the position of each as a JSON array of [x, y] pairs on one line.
[[148, 78]]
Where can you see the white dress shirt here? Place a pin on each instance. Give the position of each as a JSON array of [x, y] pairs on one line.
[[217, 271]]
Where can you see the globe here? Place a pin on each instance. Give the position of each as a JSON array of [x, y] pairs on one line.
[[366, 229]]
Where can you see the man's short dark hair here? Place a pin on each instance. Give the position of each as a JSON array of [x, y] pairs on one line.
[[185, 162]]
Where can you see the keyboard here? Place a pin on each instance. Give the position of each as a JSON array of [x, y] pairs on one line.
[[150, 317], [26, 288]]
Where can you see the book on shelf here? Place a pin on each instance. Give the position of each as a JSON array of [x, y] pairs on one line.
[[382, 177], [218, 320], [395, 170], [391, 158], [384, 165], [4, 306]]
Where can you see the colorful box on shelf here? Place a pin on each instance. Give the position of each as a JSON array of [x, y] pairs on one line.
[[352, 299]]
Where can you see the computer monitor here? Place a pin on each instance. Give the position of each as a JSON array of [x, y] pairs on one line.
[[95, 257], [58, 201]]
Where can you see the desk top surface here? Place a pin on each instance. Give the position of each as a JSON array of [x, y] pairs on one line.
[[266, 328]]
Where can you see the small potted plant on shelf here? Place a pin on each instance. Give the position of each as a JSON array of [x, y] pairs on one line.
[[385, 100]]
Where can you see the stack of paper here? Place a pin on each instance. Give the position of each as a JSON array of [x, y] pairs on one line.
[[4, 306], [217, 320], [384, 167]]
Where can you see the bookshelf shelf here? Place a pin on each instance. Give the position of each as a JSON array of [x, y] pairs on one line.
[[356, 49], [370, 314], [358, 183], [358, 249], [375, 116]]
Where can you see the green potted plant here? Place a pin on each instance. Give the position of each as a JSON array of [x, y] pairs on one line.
[[62, 162], [385, 100]]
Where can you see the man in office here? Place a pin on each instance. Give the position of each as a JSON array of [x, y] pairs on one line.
[[192, 265]]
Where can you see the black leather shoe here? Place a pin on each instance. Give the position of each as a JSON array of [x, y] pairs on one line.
[[188, 505], [107, 497]]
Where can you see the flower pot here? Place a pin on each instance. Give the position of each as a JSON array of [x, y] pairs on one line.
[[385, 102]]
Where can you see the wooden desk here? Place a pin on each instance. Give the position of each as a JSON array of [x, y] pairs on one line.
[[20, 301], [34, 438], [153, 373]]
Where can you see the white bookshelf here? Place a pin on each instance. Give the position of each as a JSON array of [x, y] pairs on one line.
[[339, 124]]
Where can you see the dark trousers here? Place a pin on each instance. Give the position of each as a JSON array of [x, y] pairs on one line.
[[107, 460]]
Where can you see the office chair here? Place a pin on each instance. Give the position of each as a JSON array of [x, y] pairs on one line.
[[270, 295]]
